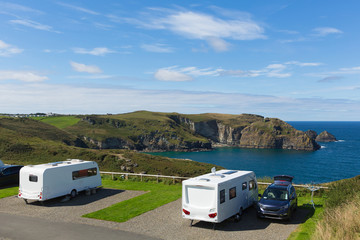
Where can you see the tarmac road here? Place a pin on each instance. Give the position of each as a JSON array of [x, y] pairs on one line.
[[32, 228]]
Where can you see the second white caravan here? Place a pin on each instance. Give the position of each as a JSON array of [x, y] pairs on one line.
[[219, 195], [45, 181]]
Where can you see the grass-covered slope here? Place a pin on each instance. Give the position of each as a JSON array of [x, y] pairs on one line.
[[153, 131], [26, 141]]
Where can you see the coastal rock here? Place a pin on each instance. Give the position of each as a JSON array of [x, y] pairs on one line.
[[311, 133], [325, 137], [179, 132]]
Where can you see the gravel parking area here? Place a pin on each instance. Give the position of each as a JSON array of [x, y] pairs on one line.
[[164, 222]]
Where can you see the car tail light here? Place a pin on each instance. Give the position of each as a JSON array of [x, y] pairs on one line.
[[186, 212], [212, 215]]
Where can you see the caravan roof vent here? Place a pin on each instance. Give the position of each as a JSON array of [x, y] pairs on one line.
[[217, 175], [204, 179], [230, 172]]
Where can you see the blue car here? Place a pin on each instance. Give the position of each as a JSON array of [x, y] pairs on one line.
[[279, 200]]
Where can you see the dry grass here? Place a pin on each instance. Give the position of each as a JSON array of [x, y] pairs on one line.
[[342, 222]]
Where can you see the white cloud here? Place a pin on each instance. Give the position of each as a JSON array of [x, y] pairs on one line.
[[8, 50], [77, 8], [272, 70], [99, 51], [6, 6], [24, 76], [304, 64], [171, 75], [324, 31], [159, 48], [33, 24], [214, 30], [16, 98], [80, 67]]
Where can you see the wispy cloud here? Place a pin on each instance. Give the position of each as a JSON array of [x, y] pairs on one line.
[[330, 79], [82, 100], [194, 25], [170, 75], [7, 6], [304, 64], [324, 31], [158, 48], [77, 8], [23, 76], [99, 51], [33, 24], [80, 67], [8, 50], [174, 73]]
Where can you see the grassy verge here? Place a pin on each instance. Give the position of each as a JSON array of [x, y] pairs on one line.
[[157, 195], [7, 192]]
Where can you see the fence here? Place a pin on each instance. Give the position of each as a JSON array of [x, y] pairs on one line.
[[174, 178], [126, 176]]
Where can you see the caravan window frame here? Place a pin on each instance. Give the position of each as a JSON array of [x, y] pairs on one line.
[[232, 193], [222, 196], [33, 178], [84, 173], [252, 185]]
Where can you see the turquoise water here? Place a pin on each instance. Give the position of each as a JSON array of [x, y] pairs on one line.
[[334, 161]]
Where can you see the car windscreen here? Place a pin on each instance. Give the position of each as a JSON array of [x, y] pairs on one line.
[[276, 194]]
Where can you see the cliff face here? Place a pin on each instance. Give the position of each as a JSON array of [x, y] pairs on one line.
[[268, 133], [177, 132]]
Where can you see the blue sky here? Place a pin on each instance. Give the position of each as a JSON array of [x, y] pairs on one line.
[[294, 60]]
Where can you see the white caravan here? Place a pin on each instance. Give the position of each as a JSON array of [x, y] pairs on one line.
[[216, 196], [45, 181]]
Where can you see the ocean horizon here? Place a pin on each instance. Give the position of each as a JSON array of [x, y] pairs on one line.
[[334, 161]]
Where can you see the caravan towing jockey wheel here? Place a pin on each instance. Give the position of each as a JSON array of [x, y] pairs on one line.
[[73, 193]]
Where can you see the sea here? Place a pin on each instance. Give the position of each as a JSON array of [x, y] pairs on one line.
[[334, 161]]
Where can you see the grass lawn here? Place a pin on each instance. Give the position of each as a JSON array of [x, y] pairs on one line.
[[7, 192], [307, 229], [157, 195], [60, 121]]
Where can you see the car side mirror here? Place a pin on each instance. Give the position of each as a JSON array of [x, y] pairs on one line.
[[259, 195], [292, 197]]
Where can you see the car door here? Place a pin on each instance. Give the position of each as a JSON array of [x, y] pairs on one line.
[[292, 198]]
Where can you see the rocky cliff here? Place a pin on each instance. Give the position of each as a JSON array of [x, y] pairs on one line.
[[147, 131]]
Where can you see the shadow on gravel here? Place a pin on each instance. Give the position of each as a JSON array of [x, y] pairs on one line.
[[79, 200], [249, 221]]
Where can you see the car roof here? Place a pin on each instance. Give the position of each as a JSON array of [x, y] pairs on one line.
[[279, 186]]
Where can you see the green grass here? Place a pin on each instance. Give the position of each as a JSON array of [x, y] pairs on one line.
[[60, 121], [307, 229], [157, 195], [7, 192]]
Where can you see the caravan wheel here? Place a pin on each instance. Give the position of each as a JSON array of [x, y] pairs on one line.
[[241, 211], [73, 193]]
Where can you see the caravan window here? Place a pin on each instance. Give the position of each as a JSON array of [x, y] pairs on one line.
[[33, 178], [84, 173], [232, 193], [252, 185], [222, 196], [244, 186]]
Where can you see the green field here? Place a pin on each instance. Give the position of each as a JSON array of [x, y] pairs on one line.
[[60, 121], [157, 195]]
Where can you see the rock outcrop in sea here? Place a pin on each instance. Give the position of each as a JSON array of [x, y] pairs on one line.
[[325, 136]]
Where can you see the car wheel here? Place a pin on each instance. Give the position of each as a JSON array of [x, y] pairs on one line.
[[73, 193]]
